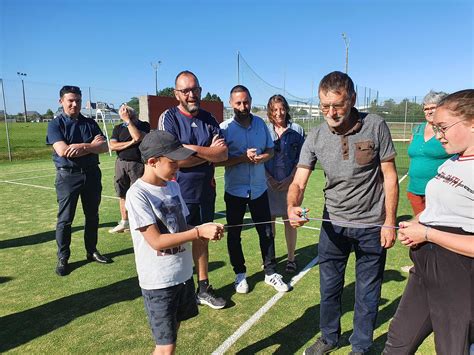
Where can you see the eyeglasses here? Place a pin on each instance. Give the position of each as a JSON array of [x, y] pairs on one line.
[[430, 108], [442, 130], [336, 107], [196, 91]]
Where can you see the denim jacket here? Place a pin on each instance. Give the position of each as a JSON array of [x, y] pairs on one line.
[[289, 144]]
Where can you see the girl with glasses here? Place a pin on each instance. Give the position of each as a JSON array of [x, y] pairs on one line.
[[439, 295]]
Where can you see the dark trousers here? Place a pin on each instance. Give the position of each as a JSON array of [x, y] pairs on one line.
[[70, 185], [202, 212], [260, 212], [438, 298], [335, 245]]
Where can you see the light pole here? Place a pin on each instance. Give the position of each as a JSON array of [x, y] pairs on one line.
[[21, 75], [346, 42], [155, 67]]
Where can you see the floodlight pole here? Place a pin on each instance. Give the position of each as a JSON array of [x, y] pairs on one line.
[[21, 75], [6, 122], [155, 67], [346, 42], [238, 67]]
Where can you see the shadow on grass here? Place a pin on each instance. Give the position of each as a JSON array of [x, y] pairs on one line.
[[19, 328], [77, 264], [307, 325], [39, 238], [4, 279], [214, 265], [290, 338], [304, 256]]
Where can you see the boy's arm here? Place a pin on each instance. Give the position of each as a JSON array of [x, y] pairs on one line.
[[158, 241]]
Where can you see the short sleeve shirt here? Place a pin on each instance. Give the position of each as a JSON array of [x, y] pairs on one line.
[[161, 205], [425, 158], [450, 195], [351, 163], [246, 180], [197, 182], [122, 134], [73, 130]]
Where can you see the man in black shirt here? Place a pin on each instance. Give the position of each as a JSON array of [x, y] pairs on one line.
[[126, 138]]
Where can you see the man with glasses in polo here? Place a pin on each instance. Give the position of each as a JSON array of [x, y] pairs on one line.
[[357, 154], [77, 141], [198, 130]]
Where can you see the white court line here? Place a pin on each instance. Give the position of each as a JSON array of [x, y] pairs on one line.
[[402, 178], [16, 172], [31, 177], [42, 176], [279, 222], [218, 177], [48, 188], [266, 307], [261, 312]]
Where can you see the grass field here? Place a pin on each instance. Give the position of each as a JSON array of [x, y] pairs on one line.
[[99, 308]]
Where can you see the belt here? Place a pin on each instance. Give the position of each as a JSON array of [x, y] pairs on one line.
[[78, 170]]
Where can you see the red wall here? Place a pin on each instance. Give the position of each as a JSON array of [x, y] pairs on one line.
[[158, 104]]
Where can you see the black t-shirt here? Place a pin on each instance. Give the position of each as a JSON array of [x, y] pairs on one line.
[[122, 134]]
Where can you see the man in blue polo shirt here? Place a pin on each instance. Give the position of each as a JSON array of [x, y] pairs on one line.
[[198, 130], [77, 141], [250, 146]]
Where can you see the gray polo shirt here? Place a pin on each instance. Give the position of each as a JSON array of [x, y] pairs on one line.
[[351, 163]]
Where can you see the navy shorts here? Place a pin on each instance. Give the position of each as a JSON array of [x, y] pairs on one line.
[[167, 307], [200, 213]]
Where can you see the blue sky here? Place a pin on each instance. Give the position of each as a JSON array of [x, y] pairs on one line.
[[400, 48]]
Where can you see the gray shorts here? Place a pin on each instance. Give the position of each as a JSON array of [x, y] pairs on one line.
[[167, 307], [126, 173]]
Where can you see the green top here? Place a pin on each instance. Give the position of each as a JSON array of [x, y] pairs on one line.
[[425, 158]]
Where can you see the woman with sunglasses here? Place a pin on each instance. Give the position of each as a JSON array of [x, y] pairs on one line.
[[426, 154], [439, 294], [288, 138]]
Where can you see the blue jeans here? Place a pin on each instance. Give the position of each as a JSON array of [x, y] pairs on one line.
[[70, 185], [335, 245]]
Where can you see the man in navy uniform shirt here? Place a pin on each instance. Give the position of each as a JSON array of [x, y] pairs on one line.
[[77, 141], [198, 130]]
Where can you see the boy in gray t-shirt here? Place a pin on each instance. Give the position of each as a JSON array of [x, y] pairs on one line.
[[161, 238]]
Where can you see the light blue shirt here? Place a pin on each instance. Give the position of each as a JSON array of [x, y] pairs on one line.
[[246, 179]]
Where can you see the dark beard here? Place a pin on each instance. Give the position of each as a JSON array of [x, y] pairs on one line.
[[242, 115]]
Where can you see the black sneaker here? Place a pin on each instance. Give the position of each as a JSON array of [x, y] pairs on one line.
[[61, 268], [320, 347], [210, 299]]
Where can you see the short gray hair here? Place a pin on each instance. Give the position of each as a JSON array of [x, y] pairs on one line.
[[434, 97], [131, 111]]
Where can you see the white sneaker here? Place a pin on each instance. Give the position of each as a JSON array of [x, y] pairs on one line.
[[121, 227], [276, 280], [241, 285]]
